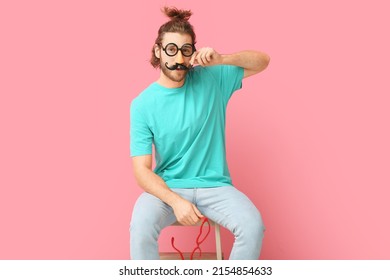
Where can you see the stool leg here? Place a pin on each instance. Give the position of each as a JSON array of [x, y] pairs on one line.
[[218, 242]]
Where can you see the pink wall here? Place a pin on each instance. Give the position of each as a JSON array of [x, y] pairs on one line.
[[308, 139]]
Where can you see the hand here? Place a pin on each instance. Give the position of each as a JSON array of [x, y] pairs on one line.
[[186, 213], [206, 57]]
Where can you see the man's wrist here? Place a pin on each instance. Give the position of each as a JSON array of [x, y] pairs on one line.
[[225, 58], [172, 198], [228, 59]]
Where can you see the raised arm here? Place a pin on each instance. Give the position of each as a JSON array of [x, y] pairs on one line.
[[253, 62]]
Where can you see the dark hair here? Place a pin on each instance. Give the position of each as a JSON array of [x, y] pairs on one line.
[[178, 23]]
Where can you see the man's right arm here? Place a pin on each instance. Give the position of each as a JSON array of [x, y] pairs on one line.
[[186, 213]]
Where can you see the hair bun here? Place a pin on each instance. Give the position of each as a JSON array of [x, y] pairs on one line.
[[176, 14]]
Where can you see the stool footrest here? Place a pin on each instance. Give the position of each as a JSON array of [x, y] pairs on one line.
[[187, 255]]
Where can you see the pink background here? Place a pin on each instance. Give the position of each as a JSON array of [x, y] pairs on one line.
[[308, 139]]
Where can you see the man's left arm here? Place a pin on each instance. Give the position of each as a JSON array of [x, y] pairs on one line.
[[253, 62]]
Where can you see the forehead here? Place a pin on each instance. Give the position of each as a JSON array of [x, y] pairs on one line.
[[177, 38]]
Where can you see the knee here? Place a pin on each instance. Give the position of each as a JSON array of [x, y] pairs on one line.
[[250, 227], [255, 229], [259, 228]]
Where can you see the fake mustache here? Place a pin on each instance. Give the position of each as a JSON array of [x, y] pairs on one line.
[[178, 66]]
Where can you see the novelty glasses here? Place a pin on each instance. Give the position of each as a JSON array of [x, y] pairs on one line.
[[172, 49]]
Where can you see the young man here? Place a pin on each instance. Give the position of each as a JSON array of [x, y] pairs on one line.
[[183, 115]]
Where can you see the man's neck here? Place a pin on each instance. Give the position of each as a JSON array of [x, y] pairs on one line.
[[168, 83]]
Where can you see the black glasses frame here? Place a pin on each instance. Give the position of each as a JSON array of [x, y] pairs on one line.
[[179, 49]]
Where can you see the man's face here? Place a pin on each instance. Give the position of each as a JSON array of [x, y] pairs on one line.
[[177, 75]]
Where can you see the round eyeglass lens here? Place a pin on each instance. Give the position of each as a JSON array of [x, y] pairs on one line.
[[187, 50], [171, 49]]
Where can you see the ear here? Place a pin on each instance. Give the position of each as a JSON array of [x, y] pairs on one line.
[[157, 51]]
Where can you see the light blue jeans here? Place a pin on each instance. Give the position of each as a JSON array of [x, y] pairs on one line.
[[226, 206]]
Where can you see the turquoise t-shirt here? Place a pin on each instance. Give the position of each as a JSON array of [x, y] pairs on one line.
[[187, 127]]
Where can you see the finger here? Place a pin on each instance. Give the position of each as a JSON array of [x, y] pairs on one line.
[[182, 218], [197, 212], [198, 60], [202, 60], [209, 56], [205, 60], [194, 220], [193, 58], [198, 57], [185, 222]]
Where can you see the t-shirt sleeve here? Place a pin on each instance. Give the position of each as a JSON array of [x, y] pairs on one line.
[[141, 137], [229, 78]]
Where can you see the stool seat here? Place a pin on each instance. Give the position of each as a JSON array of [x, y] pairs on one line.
[[217, 255]]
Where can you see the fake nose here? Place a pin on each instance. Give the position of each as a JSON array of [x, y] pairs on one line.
[[179, 58]]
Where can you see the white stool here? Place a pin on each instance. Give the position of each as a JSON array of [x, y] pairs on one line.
[[205, 256]]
